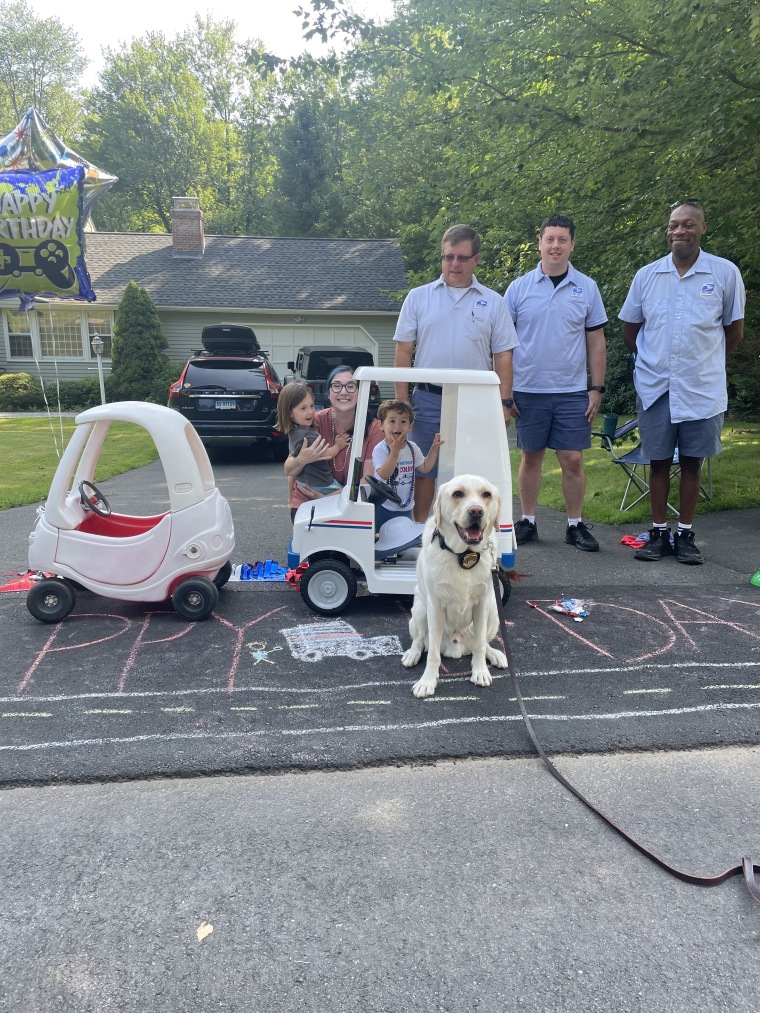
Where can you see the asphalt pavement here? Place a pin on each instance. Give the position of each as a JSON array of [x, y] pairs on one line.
[[388, 877]]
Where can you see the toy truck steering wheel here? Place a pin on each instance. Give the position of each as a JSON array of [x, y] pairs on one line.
[[380, 491], [93, 499]]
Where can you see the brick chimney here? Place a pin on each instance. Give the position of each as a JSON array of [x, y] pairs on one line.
[[188, 239]]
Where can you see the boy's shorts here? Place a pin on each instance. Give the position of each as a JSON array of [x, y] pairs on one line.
[[660, 436], [553, 421]]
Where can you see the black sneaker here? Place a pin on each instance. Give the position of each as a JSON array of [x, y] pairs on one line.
[[579, 535], [686, 549], [525, 531], [657, 546]]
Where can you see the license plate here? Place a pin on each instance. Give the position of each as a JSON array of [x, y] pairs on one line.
[[226, 404]]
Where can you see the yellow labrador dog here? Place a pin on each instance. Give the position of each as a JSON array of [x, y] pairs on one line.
[[454, 611]]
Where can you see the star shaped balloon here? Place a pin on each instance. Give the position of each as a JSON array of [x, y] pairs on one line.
[[33, 145]]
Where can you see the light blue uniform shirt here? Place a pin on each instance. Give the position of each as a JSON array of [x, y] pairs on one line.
[[681, 346], [450, 333], [551, 324]]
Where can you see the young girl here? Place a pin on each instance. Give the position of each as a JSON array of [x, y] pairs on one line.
[[295, 417], [397, 459]]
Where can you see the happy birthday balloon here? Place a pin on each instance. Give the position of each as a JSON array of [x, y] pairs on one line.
[[41, 243], [33, 145]]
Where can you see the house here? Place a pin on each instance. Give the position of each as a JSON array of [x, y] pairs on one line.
[[292, 292]]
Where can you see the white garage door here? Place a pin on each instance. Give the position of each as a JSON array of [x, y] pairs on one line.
[[283, 341]]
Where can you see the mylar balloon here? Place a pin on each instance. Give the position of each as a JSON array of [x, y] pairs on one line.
[[33, 145], [41, 245]]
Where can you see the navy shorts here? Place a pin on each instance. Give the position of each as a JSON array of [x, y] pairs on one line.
[[556, 421], [427, 422], [660, 436]]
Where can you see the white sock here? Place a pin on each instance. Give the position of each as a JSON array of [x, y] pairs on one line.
[[529, 517], [662, 527], [573, 522], [684, 527]]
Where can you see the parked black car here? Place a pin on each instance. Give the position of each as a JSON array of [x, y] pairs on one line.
[[229, 389], [314, 363]]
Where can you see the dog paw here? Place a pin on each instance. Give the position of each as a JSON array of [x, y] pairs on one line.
[[425, 687], [481, 677], [496, 658], [411, 657]]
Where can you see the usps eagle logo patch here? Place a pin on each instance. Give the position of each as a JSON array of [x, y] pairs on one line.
[[707, 289], [577, 290]]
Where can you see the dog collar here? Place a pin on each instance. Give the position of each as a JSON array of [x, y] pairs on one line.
[[467, 559]]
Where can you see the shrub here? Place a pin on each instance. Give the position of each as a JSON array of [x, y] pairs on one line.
[[73, 395], [137, 355], [20, 392]]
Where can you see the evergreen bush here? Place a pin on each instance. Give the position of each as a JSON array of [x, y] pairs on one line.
[[137, 359]]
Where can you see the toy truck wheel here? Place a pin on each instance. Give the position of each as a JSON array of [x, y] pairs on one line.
[[328, 587], [195, 598], [224, 575], [51, 600], [506, 587]]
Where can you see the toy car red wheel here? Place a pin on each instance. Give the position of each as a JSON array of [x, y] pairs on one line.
[[195, 598], [224, 574], [51, 599], [328, 587]]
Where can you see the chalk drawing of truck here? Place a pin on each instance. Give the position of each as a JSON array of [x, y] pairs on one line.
[[336, 639]]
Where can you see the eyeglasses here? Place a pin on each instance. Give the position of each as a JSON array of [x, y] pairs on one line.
[[687, 200], [350, 388], [460, 258]]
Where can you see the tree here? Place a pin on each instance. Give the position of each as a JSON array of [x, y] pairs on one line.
[[147, 123], [41, 62], [137, 355]]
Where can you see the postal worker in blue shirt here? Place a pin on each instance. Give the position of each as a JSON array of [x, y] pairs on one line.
[[683, 315], [454, 322], [559, 318]]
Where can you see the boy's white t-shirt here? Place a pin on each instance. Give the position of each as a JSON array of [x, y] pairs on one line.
[[402, 480]]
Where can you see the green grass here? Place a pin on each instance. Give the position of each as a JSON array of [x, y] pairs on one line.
[[29, 458], [735, 477]]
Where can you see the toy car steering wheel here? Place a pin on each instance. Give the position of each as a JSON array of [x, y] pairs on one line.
[[93, 499], [381, 491]]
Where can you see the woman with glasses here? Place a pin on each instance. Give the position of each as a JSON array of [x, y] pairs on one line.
[[333, 422]]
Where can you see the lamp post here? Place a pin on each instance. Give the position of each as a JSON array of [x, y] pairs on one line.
[[97, 344]]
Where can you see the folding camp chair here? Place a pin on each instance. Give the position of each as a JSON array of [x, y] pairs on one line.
[[635, 464]]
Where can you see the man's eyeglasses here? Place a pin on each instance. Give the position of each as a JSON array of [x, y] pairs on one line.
[[350, 388], [460, 258], [687, 200]]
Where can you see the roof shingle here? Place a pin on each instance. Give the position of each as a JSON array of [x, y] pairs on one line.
[[250, 272]]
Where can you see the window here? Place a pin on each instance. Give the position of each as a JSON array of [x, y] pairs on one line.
[[19, 334], [100, 323], [60, 332]]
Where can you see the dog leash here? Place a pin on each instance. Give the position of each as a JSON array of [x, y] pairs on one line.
[[745, 867]]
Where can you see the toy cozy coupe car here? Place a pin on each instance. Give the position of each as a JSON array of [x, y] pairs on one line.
[[182, 554], [337, 535], [314, 363], [228, 390]]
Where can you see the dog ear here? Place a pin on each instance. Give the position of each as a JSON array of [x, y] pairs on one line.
[[437, 508], [497, 513]]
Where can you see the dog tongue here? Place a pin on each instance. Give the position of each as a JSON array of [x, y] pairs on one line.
[[473, 534]]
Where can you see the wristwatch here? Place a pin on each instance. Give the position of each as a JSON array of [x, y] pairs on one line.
[[507, 401], [599, 389]]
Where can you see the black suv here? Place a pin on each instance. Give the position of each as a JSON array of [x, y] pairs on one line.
[[229, 390], [314, 363]]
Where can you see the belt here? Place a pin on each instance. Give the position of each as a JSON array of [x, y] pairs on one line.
[[431, 388]]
